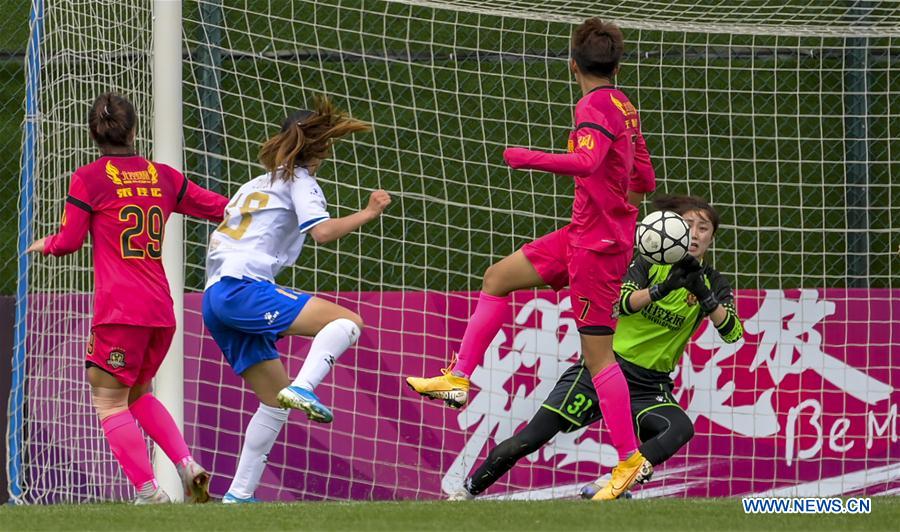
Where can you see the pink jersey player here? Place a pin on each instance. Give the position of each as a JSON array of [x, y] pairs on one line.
[[608, 158], [124, 200]]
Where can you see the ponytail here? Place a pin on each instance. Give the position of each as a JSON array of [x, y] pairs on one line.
[[307, 137]]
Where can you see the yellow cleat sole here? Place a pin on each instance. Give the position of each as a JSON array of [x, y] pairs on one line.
[[455, 398]]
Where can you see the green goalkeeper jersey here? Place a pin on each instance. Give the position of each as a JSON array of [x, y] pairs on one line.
[[654, 337]]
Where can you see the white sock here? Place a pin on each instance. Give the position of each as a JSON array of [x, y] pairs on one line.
[[326, 347], [261, 433]]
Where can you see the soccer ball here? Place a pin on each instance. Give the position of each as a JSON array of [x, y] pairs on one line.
[[663, 237]]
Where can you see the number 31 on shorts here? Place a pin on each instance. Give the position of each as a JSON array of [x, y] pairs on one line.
[[579, 405]]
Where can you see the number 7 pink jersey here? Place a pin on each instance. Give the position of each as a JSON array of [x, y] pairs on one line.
[[608, 157], [124, 203]]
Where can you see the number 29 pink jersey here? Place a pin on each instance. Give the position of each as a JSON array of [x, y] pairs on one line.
[[124, 202]]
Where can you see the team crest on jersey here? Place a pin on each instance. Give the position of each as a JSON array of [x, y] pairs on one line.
[[150, 176], [116, 358]]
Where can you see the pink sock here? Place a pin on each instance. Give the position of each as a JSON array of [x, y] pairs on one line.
[[127, 444], [490, 313], [615, 405], [159, 425]]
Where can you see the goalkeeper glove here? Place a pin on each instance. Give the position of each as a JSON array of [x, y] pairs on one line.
[[696, 283], [678, 278]]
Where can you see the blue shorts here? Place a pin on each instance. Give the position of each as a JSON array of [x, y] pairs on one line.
[[246, 317]]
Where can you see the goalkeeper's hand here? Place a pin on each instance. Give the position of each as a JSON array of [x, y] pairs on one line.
[[696, 283], [678, 278]]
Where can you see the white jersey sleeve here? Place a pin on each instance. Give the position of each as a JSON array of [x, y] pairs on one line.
[[309, 203]]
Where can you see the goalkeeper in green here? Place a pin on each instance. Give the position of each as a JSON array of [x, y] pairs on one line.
[[660, 308]]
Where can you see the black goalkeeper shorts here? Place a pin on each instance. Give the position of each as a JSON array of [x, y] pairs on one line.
[[575, 399]]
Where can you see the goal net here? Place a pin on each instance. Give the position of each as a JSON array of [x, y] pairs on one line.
[[783, 116]]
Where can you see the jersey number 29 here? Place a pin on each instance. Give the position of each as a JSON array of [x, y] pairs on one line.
[[152, 221]]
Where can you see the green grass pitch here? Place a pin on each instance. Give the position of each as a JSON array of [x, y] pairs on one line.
[[656, 515]]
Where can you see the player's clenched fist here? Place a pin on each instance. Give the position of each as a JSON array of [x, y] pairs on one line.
[[378, 201]]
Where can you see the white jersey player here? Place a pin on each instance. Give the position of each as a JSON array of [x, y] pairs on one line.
[[265, 227]]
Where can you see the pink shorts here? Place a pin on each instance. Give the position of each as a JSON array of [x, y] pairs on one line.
[[130, 353], [593, 278]]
